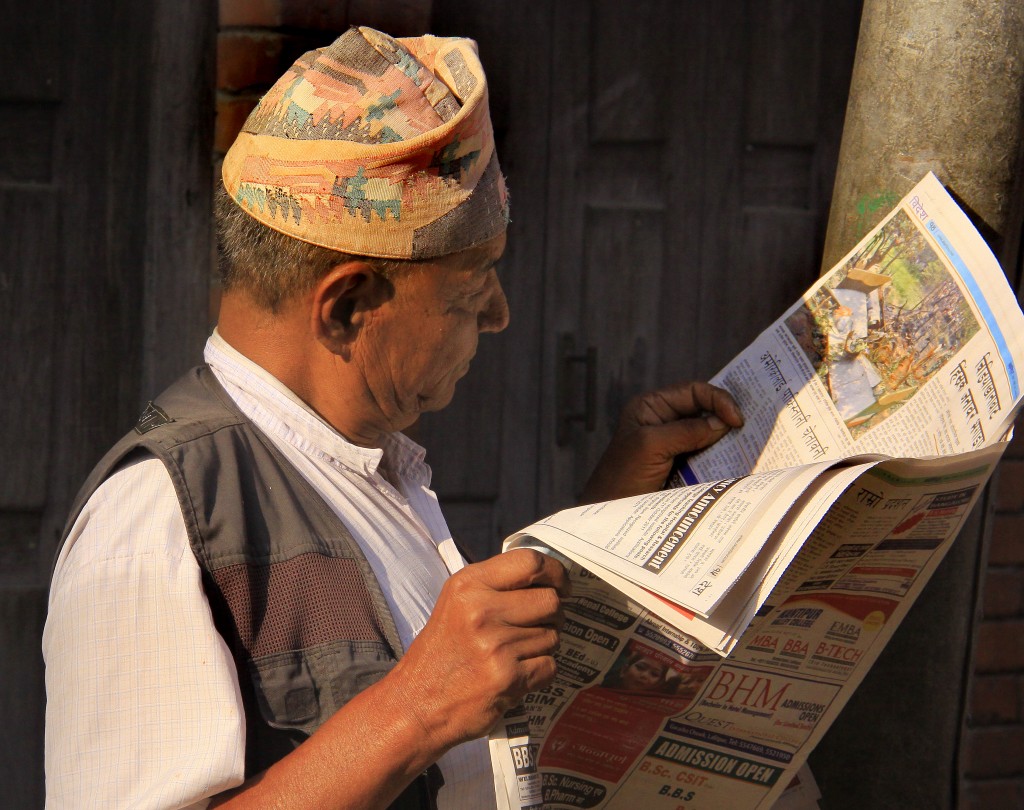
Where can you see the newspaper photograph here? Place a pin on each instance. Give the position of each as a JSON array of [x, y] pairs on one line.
[[910, 346]]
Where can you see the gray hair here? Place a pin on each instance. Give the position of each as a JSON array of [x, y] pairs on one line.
[[271, 266]]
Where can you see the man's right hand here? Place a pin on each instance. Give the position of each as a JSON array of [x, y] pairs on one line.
[[490, 640]]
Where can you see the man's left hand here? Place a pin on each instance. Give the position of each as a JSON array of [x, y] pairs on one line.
[[653, 429]]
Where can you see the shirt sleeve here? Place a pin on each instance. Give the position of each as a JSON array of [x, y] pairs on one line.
[[143, 707]]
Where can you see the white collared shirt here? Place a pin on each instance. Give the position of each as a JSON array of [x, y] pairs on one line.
[[143, 704]]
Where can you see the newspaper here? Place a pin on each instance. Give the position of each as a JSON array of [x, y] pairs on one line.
[[716, 629]]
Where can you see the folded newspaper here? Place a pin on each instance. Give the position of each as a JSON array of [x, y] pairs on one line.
[[717, 628]]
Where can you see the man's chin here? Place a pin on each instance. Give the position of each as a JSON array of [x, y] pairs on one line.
[[427, 403], [442, 395]]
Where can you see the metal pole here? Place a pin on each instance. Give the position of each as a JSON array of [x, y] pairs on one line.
[[937, 85]]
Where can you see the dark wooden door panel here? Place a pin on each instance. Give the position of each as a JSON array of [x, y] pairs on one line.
[[692, 149], [28, 331], [84, 185]]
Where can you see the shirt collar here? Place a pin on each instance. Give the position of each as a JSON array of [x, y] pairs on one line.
[[274, 408]]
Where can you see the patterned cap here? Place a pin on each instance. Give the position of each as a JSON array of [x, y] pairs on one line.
[[375, 146]]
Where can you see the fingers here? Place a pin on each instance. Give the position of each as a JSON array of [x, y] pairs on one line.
[[518, 589], [655, 428], [526, 607], [527, 643], [538, 673], [521, 568], [666, 441], [691, 399], [520, 659], [490, 639], [718, 401], [679, 419]]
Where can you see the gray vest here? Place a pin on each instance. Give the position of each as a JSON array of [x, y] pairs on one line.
[[291, 591]]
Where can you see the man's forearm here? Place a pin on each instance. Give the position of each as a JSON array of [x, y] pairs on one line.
[[364, 756]]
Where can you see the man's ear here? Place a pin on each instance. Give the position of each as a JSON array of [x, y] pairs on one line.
[[341, 301]]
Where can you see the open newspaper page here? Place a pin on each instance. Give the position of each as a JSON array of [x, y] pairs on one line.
[[910, 346], [641, 714], [689, 544], [705, 557]]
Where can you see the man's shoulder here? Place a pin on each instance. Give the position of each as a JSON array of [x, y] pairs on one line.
[[194, 405], [132, 515]]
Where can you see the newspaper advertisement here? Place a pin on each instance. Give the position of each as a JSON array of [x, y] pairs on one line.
[[642, 714], [715, 631]]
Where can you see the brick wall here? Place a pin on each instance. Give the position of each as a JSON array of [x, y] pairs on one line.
[[993, 746], [259, 39]]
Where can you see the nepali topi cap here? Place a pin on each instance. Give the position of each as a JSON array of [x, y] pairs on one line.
[[375, 146]]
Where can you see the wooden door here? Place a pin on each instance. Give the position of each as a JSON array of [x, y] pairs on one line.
[[105, 123], [670, 166], [693, 150], [30, 139]]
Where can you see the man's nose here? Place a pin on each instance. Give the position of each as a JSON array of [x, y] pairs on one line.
[[494, 317]]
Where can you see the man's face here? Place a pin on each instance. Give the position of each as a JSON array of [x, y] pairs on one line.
[[420, 343]]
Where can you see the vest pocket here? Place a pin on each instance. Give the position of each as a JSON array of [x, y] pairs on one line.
[[300, 689], [286, 692]]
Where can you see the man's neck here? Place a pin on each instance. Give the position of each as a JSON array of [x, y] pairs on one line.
[[281, 344]]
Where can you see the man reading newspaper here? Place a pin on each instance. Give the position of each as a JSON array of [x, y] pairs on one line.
[[258, 602]]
